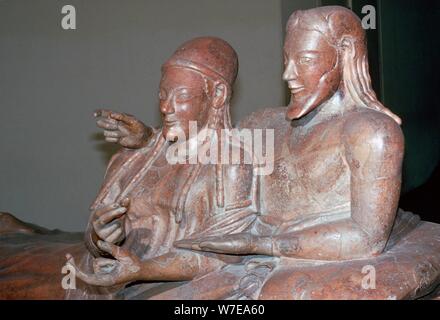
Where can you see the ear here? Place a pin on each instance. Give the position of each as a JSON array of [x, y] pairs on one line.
[[347, 47], [219, 94]]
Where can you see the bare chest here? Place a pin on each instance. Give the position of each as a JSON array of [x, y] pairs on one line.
[[310, 177]]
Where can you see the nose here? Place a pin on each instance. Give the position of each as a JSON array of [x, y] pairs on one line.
[[290, 72], [166, 106]]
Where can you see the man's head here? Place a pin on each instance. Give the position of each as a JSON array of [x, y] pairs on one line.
[[325, 50], [196, 85]]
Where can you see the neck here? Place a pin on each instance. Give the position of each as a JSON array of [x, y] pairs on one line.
[[203, 136], [335, 106], [217, 120]]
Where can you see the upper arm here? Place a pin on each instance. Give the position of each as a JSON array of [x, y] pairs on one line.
[[374, 147]]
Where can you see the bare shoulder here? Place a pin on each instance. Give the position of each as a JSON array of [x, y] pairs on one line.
[[371, 128]]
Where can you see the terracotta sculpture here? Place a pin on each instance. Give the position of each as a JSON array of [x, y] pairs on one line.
[[146, 203], [161, 230], [340, 158], [334, 192]]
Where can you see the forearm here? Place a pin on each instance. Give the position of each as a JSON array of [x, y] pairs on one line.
[[178, 266], [334, 241], [365, 233]]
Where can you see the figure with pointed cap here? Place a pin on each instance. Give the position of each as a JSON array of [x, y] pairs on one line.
[[147, 203]]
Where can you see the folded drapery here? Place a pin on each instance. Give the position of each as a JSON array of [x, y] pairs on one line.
[[31, 259]]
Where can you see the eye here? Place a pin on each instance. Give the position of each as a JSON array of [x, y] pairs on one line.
[[162, 95], [183, 97], [305, 60]]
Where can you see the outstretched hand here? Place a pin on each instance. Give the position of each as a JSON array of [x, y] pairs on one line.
[[122, 128], [108, 272]]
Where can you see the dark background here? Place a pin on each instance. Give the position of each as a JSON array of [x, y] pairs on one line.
[[410, 85], [405, 62]]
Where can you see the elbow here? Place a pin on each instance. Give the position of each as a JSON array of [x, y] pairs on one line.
[[359, 244]]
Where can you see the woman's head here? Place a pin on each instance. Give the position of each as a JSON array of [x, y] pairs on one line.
[[196, 85]]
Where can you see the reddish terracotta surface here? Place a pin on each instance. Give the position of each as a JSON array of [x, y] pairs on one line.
[[31, 259], [160, 230]]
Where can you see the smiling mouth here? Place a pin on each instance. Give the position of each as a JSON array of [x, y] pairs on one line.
[[295, 90], [170, 122]]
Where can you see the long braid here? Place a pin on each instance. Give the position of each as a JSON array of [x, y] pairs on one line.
[[218, 119], [358, 81]]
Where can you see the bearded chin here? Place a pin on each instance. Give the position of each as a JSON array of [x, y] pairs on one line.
[[298, 108], [173, 134]]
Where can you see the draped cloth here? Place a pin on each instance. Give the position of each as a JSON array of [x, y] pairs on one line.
[[409, 268], [169, 202]]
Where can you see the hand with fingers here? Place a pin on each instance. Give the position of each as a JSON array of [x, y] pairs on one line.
[[108, 222], [123, 128], [125, 268]]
